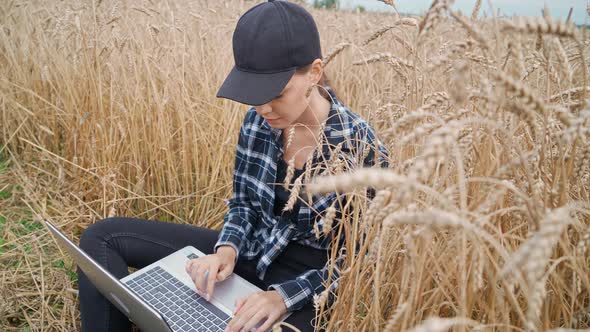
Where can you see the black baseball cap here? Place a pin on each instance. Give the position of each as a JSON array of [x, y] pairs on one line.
[[271, 40]]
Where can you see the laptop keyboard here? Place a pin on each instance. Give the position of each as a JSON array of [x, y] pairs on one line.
[[182, 307]]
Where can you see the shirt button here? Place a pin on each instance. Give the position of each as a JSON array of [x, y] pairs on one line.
[[277, 247]]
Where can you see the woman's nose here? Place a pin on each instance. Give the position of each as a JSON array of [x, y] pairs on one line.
[[263, 109]]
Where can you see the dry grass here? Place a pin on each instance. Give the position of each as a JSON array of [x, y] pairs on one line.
[[480, 223]]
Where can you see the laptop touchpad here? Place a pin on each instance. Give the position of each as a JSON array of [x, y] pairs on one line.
[[231, 289]]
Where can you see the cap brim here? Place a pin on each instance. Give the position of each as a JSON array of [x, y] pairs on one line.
[[253, 88]]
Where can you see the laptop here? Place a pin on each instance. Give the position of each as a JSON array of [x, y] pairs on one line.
[[162, 297]]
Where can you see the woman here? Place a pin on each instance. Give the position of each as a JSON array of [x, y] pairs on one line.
[[266, 238]]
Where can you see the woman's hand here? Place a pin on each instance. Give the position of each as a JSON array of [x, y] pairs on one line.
[[250, 310], [207, 270]]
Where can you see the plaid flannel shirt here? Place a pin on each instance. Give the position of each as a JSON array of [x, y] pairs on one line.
[[251, 227]]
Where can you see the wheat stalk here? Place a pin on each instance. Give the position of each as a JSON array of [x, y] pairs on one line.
[[432, 16], [569, 93], [290, 173], [294, 195], [536, 298], [565, 68], [397, 314], [583, 244], [476, 9], [377, 204], [329, 219], [434, 218], [438, 324], [521, 91], [532, 256], [471, 29], [360, 178], [407, 21], [383, 56], [332, 54], [541, 25], [447, 55]]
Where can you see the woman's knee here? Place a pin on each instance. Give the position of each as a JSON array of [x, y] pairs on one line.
[[97, 233]]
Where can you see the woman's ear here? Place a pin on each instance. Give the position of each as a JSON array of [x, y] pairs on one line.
[[316, 71]]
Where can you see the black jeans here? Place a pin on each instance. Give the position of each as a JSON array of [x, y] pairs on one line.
[[117, 243]]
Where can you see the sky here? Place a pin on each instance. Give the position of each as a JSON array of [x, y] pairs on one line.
[[557, 8]]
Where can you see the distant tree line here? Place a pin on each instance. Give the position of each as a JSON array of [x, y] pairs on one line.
[[328, 4]]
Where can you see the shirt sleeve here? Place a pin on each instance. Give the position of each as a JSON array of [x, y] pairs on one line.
[[298, 292], [241, 217]]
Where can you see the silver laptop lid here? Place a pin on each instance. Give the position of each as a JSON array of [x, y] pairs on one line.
[[146, 318]]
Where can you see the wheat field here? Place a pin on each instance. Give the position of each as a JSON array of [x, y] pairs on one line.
[[480, 223]]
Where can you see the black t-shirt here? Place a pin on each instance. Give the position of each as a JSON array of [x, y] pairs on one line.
[[282, 194]]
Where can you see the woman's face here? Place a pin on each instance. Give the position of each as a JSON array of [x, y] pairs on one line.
[[288, 106]]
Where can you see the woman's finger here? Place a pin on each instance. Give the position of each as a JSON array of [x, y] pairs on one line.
[[238, 304], [192, 268], [199, 276], [188, 266], [244, 316], [256, 318], [211, 279], [272, 318], [225, 271]]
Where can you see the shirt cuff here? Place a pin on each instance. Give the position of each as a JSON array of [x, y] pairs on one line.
[[295, 293], [229, 241]]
